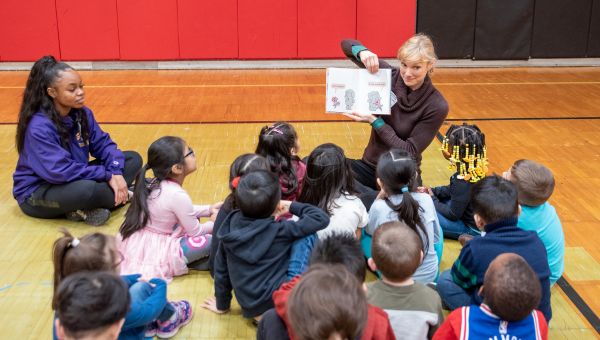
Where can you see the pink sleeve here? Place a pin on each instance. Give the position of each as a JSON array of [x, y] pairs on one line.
[[183, 208], [202, 210]]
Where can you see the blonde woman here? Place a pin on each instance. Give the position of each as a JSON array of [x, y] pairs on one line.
[[418, 110]]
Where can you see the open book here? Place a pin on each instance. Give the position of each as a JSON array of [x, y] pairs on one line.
[[357, 90]]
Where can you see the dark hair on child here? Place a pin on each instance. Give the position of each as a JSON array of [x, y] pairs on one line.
[[92, 252], [36, 99], [396, 250], [511, 288], [464, 145], [89, 302], [341, 248], [162, 155], [494, 199], [275, 143], [327, 300], [258, 194], [328, 176], [534, 181], [397, 171], [242, 165]]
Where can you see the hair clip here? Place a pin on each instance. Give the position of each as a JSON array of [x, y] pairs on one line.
[[74, 243], [399, 159], [235, 182], [404, 189], [275, 129]]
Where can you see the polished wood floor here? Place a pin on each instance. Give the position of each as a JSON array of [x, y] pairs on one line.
[[557, 110]]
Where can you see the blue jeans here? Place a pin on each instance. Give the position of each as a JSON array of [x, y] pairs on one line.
[[453, 229], [140, 291], [452, 294], [300, 256]]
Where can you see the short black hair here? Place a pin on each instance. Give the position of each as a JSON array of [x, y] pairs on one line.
[[494, 199], [258, 194], [88, 302], [344, 249]]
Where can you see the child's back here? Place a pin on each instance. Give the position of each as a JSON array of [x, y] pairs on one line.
[[255, 256], [544, 220], [535, 184], [414, 310]]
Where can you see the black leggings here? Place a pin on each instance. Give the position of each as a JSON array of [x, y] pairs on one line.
[[55, 200]]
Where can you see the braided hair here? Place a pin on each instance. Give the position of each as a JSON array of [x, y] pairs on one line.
[[464, 146]]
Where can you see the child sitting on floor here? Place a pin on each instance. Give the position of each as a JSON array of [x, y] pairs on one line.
[[535, 184], [150, 313], [161, 234], [255, 252], [496, 212], [511, 291], [415, 310], [91, 305], [464, 147]]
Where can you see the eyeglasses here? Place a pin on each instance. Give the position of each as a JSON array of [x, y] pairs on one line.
[[190, 153]]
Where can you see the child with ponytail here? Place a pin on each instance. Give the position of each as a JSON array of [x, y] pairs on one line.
[[150, 313], [279, 144], [464, 147], [162, 234], [398, 200]]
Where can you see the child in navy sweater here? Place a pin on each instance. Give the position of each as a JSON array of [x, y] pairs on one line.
[[256, 250], [496, 212]]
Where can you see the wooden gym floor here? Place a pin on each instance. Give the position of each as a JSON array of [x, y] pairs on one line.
[[551, 115]]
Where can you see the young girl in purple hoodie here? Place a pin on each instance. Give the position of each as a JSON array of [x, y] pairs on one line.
[[56, 134]]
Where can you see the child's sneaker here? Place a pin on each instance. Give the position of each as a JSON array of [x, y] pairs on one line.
[[151, 330], [95, 217], [181, 317]]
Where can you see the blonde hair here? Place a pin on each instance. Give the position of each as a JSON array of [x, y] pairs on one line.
[[418, 48]]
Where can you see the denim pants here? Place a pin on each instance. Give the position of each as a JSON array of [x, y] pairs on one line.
[[140, 291], [300, 256], [453, 229], [452, 294]]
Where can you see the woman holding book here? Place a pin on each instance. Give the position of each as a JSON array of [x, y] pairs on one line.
[[418, 109]]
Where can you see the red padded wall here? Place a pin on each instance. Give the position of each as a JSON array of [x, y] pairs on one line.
[[88, 29], [384, 25], [28, 30], [322, 25], [148, 29], [208, 29], [267, 29]]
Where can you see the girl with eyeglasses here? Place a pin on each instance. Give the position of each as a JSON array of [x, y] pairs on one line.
[[162, 235]]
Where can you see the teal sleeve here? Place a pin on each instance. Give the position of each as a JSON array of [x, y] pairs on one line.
[[377, 123], [356, 49]]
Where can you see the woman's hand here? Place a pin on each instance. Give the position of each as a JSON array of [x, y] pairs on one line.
[[211, 304], [361, 117], [370, 60], [119, 187]]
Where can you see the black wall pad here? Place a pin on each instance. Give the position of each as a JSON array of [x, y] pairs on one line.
[[503, 29], [594, 39], [450, 23], [560, 28]]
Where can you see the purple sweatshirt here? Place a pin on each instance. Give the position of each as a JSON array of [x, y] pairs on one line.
[[44, 160]]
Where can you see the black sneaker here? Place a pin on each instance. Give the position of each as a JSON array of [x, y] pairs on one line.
[[95, 217]]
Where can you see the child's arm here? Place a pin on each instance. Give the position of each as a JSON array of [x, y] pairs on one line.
[[460, 197], [182, 206], [464, 271], [441, 192], [447, 330], [223, 286], [131, 279], [312, 219], [143, 313]]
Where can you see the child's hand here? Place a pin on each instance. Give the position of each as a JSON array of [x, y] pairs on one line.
[[211, 305], [425, 190], [214, 209], [283, 208]]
